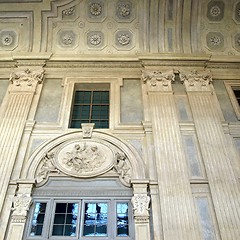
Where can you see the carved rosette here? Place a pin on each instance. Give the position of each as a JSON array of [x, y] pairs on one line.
[[158, 81], [26, 80], [140, 204], [197, 81], [84, 159]]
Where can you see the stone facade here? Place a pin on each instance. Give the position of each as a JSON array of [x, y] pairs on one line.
[[172, 147]]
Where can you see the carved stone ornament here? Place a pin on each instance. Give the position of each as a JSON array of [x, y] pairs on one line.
[[95, 39], [21, 204], [215, 10], [26, 78], [215, 41], [95, 8], [140, 204], [67, 38], [47, 165], [158, 79], [123, 168], [196, 81], [8, 39], [87, 129], [68, 12], [84, 158]]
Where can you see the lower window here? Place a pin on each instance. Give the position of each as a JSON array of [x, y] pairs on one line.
[[81, 219]]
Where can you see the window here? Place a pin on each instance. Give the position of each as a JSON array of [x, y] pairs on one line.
[[91, 106], [233, 89], [80, 219]]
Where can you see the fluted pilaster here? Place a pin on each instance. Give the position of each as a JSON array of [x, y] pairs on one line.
[[21, 90], [216, 150], [177, 207]]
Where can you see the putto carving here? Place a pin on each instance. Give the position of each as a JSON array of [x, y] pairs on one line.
[[47, 165], [196, 81], [26, 77], [157, 78], [95, 8], [122, 167], [140, 204], [84, 158]]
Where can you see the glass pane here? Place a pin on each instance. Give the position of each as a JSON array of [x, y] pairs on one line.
[[122, 219], [70, 230], [38, 219], [82, 97], [61, 207], [59, 219], [58, 230], [101, 97], [65, 222], [95, 219], [75, 124]]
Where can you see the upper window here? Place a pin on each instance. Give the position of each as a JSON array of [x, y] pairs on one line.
[[90, 106]]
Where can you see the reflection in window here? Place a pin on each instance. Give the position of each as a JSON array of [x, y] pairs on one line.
[[122, 219], [95, 219], [65, 219], [38, 219]]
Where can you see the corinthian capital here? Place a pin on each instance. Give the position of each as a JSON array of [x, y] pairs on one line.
[[197, 81], [158, 81], [26, 80]]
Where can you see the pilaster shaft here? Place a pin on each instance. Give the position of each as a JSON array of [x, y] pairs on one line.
[[224, 185], [21, 91], [177, 207]]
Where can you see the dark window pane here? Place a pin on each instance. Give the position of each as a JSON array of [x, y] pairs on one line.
[[59, 219], [70, 230], [101, 230], [57, 230], [60, 208]]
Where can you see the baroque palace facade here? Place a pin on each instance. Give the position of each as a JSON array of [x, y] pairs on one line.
[[119, 119]]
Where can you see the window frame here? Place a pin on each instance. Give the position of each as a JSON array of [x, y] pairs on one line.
[[230, 85], [111, 224]]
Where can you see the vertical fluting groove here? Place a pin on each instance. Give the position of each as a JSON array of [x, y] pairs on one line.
[[177, 206], [11, 130], [224, 185]]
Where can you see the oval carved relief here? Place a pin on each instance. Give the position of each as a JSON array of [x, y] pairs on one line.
[[84, 158]]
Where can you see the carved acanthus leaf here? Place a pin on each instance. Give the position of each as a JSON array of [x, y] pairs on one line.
[[122, 167], [155, 78], [27, 77], [197, 81]]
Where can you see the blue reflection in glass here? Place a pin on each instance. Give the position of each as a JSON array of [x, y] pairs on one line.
[[122, 219]]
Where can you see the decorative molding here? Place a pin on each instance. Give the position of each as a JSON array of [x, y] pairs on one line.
[[158, 81], [95, 39], [141, 205], [215, 10], [22, 202], [124, 40], [68, 12], [197, 81], [67, 39], [95, 8], [123, 168], [8, 39], [26, 80]]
